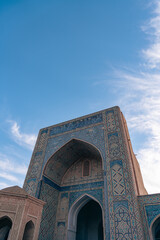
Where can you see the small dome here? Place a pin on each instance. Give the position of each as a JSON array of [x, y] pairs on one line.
[[15, 190]]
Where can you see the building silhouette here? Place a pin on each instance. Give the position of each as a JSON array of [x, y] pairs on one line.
[[89, 178]]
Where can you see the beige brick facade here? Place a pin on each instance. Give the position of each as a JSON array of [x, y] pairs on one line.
[[21, 213]]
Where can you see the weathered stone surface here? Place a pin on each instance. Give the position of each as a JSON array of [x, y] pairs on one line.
[[18, 210]]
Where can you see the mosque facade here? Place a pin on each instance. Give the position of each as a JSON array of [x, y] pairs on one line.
[[90, 180]]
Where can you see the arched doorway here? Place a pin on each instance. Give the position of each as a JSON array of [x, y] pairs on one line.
[[29, 231], [75, 163], [89, 222], [5, 226], [85, 221], [156, 229]]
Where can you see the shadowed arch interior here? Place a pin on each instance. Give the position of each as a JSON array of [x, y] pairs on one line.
[[5, 226], [71, 152], [29, 231], [64, 170], [156, 229], [85, 221], [89, 222]]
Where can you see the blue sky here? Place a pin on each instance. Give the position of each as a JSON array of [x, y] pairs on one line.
[[64, 59]]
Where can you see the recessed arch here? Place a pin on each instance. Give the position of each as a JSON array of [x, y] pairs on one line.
[[74, 211], [29, 231], [5, 227], [68, 154], [86, 168], [69, 159], [155, 228]]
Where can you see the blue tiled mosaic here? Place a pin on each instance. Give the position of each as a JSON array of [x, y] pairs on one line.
[[121, 203], [76, 124], [96, 193], [44, 131], [112, 163], [112, 134], [64, 195], [94, 136], [50, 196], [122, 220], [73, 187], [38, 153], [147, 200], [111, 111], [152, 211], [51, 183]]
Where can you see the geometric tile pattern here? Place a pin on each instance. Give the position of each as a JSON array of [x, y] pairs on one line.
[[35, 168], [60, 233], [114, 148], [149, 206], [72, 187], [42, 139], [105, 131], [122, 224], [121, 178], [30, 186], [152, 211], [96, 193], [111, 123], [34, 171], [76, 124], [50, 196], [117, 180]]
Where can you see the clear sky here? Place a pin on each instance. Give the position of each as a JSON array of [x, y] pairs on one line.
[[64, 59]]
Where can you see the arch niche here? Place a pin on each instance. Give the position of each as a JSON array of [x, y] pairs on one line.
[[5, 227], [156, 229], [66, 156], [75, 163], [85, 220], [28, 231]]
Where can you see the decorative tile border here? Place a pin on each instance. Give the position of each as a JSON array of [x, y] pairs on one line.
[[96, 193], [152, 211], [105, 131], [72, 187], [76, 124], [147, 214]]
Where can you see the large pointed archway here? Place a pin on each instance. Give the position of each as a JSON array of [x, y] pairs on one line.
[[66, 156], [85, 220], [76, 165]]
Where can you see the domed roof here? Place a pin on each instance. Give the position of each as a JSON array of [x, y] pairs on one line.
[[15, 190], [18, 192]]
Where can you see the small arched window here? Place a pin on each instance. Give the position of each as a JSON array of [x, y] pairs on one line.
[[86, 168], [29, 231], [5, 226]]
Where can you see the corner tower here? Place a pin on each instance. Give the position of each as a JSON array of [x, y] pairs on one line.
[[85, 164]]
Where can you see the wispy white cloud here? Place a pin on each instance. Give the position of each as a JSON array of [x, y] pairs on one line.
[[14, 158], [152, 28], [9, 165], [9, 177], [142, 103], [138, 94], [141, 106], [12, 171], [23, 139]]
